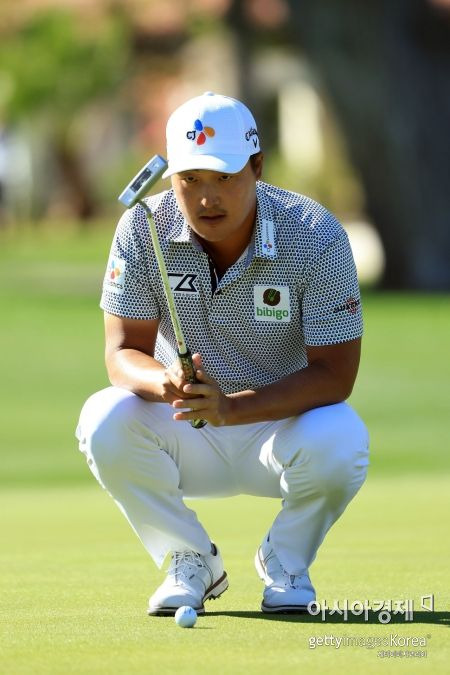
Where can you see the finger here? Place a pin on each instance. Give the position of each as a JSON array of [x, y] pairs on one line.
[[171, 391], [197, 360], [176, 377], [200, 373], [188, 415], [191, 404], [195, 390], [203, 376]]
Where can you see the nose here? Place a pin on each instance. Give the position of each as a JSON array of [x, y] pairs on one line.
[[209, 197]]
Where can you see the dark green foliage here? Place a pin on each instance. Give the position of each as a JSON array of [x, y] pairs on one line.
[[56, 65]]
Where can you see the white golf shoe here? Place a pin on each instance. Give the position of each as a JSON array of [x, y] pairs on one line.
[[191, 579], [284, 592]]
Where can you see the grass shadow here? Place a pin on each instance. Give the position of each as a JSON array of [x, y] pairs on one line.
[[437, 618]]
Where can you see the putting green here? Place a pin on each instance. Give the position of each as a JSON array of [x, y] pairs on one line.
[[75, 582]]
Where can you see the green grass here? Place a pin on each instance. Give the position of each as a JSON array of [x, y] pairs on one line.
[[74, 581], [403, 390]]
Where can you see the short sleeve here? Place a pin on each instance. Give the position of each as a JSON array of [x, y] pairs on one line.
[[331, 307], [127, 290]]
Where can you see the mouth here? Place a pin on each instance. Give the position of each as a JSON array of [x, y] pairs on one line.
[[212, 218]]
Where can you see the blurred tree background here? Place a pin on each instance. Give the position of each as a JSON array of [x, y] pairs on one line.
[[352, 100]]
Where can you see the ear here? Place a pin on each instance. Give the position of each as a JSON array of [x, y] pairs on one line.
[[258, 165]]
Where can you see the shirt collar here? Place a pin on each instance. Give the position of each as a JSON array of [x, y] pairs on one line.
[[180, 230], [265, 233], [181, 233]]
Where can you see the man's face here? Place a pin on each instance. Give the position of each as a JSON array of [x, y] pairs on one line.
[[218, 206]]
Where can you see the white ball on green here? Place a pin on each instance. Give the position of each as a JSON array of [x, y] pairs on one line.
[[185, 616]]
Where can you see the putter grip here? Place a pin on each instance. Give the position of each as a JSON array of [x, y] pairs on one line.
[[189, 374]]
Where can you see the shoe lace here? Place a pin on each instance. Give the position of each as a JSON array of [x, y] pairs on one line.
[[292, 580], [289, 580], [182, 563]]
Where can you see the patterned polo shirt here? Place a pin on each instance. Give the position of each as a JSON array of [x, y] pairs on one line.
[[295, 285]]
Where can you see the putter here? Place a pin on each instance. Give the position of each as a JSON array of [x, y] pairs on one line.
[[132, 195]]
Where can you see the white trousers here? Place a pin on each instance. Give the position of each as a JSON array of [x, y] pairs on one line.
[[148, 462]]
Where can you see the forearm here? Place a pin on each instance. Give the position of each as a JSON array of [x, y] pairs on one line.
[[312, 387], [136, 371]]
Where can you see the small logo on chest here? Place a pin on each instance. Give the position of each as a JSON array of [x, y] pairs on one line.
[[182, 282]]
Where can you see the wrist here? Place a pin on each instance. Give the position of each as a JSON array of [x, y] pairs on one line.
[[241, 408], [232, 415], [150, 385]]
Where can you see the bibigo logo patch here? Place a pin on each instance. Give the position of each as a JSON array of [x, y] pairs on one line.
[[115, 275], [272, 303]]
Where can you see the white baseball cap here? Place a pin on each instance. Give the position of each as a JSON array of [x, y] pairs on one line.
[[212, 132]]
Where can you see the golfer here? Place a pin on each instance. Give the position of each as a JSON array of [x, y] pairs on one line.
[[266, 290]]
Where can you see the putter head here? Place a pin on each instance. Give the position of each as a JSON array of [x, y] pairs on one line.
[[143, 181]]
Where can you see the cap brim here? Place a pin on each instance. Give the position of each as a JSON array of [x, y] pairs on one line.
[[223, 164]]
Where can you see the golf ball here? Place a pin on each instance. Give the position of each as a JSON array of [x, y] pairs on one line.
[[185, 617]]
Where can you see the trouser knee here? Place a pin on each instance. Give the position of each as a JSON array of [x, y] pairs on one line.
[[121, 447], [332, 459], [112, 436]]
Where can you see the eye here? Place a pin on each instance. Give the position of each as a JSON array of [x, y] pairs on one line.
[[225, 177], [189, 178]]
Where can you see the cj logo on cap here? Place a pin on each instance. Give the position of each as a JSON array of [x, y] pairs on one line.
[[200, 132], [272, 303]]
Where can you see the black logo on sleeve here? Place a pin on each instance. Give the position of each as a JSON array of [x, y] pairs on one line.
[[351, 306], [181, 282]]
